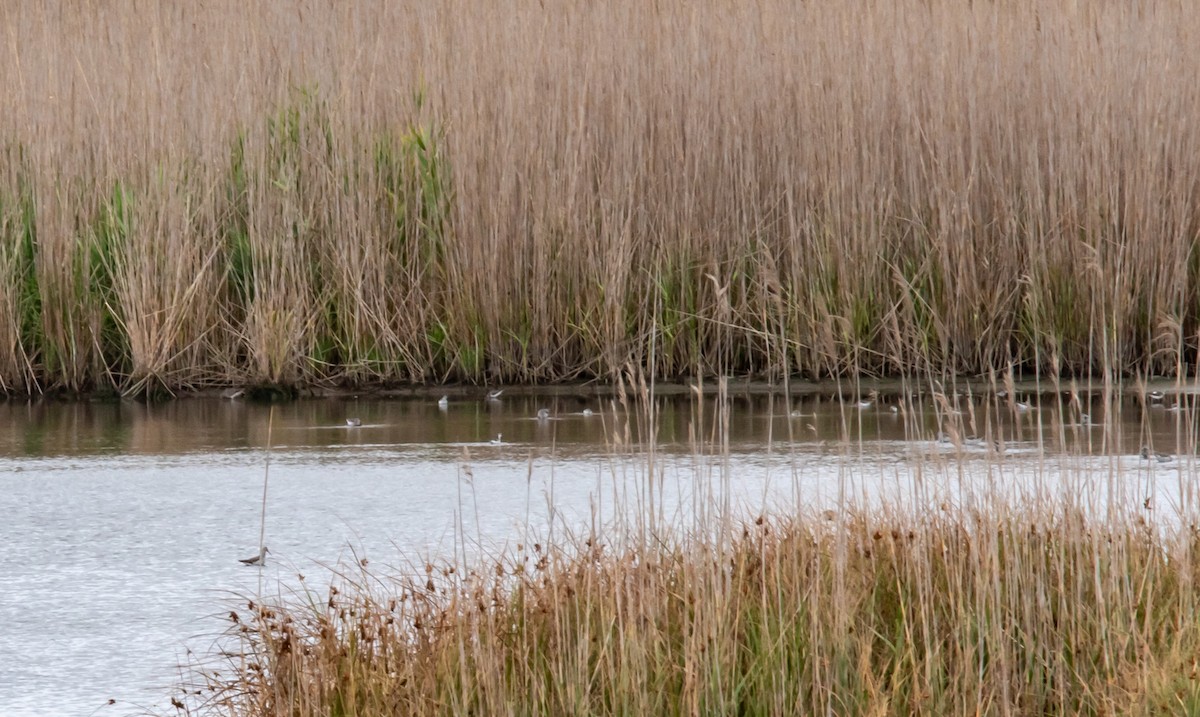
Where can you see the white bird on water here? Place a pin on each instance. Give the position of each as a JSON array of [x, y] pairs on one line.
[[498, 440], [260, 559], [494, 395], [353, 422], [444, 402], [543, 414], [587, 412]]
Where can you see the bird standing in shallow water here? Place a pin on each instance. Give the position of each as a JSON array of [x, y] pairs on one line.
[[260, 559]]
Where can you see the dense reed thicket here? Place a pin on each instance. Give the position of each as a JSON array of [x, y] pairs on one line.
[[308, 193], [998, 612]]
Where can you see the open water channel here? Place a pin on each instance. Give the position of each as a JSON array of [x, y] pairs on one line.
[[121, 523]]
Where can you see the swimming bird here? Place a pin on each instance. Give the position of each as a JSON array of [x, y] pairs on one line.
[[444, 402], [260, 559], [543, 414], [497, 440], [495, 394], [353, 422], [1147, 454], [1156, 396], [1021, 406], [587, 412]]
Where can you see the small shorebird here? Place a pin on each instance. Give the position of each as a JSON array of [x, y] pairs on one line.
[[1156, 396], [260, 559], [498, 440], [353, 422], [1021, 406], [543, 414], [494, 395], [444, 402], [587, 412], [1147, 454]]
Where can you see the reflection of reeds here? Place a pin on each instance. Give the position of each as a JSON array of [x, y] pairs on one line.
[[428, 191]]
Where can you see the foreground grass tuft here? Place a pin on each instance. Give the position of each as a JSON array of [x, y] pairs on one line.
[[1004, 611]]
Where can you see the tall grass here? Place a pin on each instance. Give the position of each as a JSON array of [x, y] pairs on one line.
[[304, 193], [988, 613]]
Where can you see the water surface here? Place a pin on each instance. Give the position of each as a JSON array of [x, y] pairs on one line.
[[123, 522]]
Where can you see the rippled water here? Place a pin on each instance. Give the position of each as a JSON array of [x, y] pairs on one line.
[[123, 522]]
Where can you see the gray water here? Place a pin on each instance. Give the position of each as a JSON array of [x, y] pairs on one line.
[[122, 523]]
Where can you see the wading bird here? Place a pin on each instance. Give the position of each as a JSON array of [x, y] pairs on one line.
[[260, 559]]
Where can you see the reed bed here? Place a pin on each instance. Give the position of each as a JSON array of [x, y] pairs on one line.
[[1004, 612], [309, 194]]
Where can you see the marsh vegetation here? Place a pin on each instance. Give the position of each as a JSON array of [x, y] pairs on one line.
[[298, 194], [303, 194]]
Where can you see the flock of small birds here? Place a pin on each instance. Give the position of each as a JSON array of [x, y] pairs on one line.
[[1155, 399], [493, 396]]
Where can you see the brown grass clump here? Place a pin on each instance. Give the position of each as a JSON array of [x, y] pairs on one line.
[[303, 193], [998, 612]]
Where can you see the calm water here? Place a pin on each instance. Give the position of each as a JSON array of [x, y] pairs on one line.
[[123, 522]]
